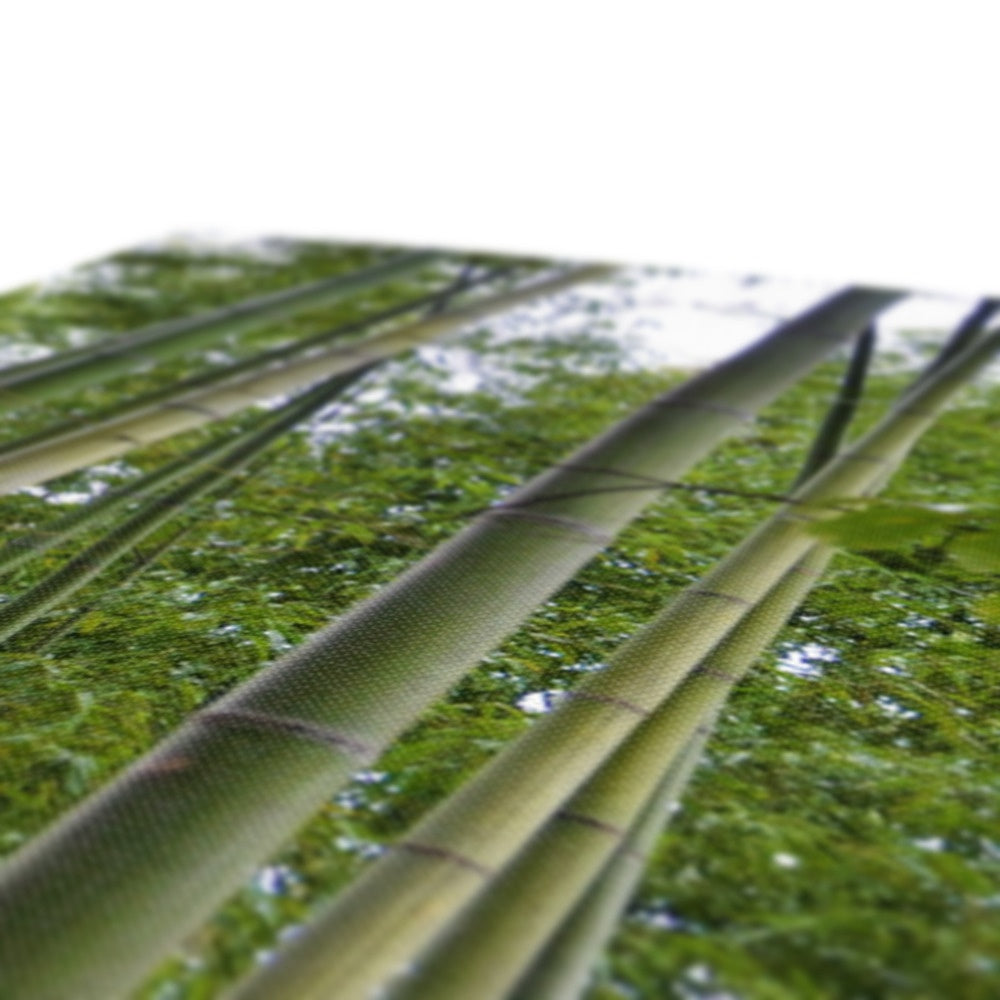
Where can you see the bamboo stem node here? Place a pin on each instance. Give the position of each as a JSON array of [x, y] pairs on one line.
[[444, 854], [303, 728]]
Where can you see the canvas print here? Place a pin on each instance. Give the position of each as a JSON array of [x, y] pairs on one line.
[[403, 623]]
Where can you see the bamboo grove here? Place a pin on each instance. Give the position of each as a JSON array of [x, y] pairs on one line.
[[512, 884]]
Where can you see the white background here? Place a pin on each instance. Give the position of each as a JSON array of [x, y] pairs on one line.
[[848, 141]]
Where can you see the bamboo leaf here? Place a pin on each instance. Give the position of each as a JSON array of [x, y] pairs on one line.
[[988, 609], [977, 551], [886, 526]]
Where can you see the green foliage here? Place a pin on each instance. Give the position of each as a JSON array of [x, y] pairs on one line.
[[839, 840], [971, 537]]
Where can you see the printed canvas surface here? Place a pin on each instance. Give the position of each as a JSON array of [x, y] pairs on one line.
[[383, 622]]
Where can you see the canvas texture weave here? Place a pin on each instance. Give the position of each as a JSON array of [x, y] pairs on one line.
[[395, 622]]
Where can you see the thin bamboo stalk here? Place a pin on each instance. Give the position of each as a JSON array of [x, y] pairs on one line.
[[393, 910], [564, 967], [512, 925], [966, 333], [142, 562], [28, 607], [84, 366], [838, 417], [44, 460], [258, 362], [34, 543], [485, 951], [166, 842]]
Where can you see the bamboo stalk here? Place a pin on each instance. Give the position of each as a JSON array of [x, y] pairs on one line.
[[561, 971], [838, 417], [166, 842], [46, 459], [563, 968], [484, 952], [274, 357], [75, 369], [143, 561], [34, 543], [227, 460], [395, 908], [966, 333], [539, 917]]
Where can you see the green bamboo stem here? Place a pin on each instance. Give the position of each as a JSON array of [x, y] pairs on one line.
[[85, 366], [564, 967], [46, 459], [28, 607], [841, 413], [485, 951], [143, 561], [393, 910], [258, 362], [25, 547], [533, 896], [35, 543], [966, 333], [165, 843]]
